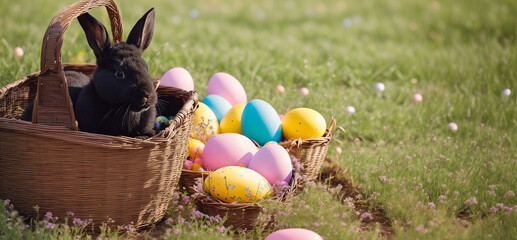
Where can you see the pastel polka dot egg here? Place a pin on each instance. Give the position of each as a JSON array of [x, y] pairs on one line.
[[236, 184]]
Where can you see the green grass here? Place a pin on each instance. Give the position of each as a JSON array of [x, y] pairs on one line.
[[463, 54]]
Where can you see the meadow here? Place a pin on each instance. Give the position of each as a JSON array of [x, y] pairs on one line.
[[427, 181]]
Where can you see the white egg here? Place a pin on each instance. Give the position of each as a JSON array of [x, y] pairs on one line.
[[452, 126], [379, 87], [507, 92], [350, 109]]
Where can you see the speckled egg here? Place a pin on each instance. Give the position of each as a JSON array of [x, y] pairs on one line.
[[237, 184]]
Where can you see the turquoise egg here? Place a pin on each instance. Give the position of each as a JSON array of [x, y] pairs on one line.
[[218, 105], [260, 122]]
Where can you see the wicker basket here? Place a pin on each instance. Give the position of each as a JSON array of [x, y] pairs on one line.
[[50, 164], [188, 179], [243, 215], [311, 152]]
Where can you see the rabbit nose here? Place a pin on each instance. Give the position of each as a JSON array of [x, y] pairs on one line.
[[144, 101]]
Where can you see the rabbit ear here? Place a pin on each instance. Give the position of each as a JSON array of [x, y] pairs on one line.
[[142, 32], [96, 33]]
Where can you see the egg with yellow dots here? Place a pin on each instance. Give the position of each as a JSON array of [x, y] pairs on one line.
[[236, 184], [231, 122], [303, 123], [205, 123]]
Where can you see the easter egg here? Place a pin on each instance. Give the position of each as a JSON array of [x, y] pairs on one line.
[[231, 122], [273, 162], [303, 123], [294, 234], [164, 121], [218, 104], [228, 87], [304, 91], [379, 87], [260, 122], [507, 92], [187, 164], [195, 167], [195, 148], [178, 77], [199, 162], [228, 149], [237, 184], [205, 121]]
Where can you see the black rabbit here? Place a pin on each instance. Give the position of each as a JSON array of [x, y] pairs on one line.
[[120, 99]]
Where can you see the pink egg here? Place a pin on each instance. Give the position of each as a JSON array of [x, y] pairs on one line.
[[228, 149], [273, 163], [228, 87], [280, 89], [294, 234], [304, 91], [281, 116], [18, 51], [179, 78], [417, 97], [188, 165]]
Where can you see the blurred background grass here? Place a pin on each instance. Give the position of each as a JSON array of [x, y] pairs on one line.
[[461, 53]]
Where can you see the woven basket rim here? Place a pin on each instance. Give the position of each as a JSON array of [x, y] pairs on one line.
[[327, 136], [100, 140]]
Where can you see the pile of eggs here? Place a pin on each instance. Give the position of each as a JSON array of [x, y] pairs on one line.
[[229, 132]]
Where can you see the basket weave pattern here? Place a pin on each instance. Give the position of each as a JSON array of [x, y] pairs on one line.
[[188, 179], [311, 152], [60, 169]]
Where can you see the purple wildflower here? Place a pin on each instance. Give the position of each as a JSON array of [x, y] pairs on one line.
[[367, 216], [500, 205], [50, 225], [221, 229], [471, 201], [79, 222], [169, 221], [176, 231], [196, 214], [493, 210], [509, 194], [383, 179], [508, 210], [186, 199], [48, 215]]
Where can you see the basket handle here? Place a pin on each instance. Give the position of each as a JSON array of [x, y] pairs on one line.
[[53, 105]]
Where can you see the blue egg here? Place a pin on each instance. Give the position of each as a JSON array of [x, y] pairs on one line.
[[261, 122], [218, 105]]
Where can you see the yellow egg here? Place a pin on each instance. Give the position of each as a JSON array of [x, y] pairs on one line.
[[303, 123], [195, 149], [231, 122], [195, 166], [205, 123], [237, 184]]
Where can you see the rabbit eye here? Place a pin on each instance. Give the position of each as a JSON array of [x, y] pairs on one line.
[[119, 74]]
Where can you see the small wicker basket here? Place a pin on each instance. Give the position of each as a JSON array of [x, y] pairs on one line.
[[51, 164], [243, 215], [188, 179], [311, 152]]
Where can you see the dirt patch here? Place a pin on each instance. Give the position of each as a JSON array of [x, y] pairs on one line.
[[336, 175]]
